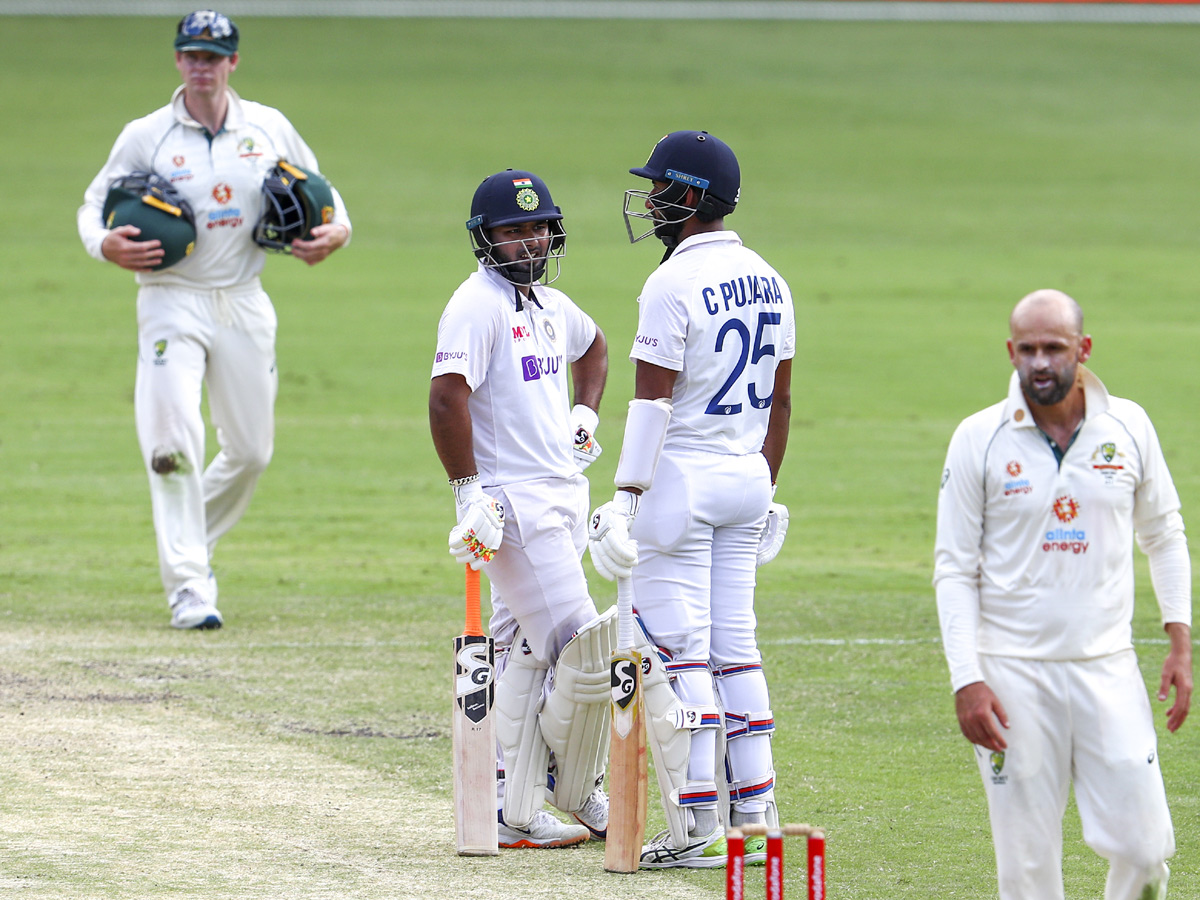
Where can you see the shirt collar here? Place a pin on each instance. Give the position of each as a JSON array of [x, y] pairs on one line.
[[235, 118], [508, 287], [1095, 396], [706, 237]]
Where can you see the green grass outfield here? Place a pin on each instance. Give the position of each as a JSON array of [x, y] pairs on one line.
[[912, 181]]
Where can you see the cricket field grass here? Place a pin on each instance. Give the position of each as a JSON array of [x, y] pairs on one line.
[[911, 181]]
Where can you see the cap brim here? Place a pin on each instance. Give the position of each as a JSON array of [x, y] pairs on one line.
[[643, 172], [206, 46]]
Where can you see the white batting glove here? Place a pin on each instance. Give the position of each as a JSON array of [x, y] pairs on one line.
[[583, 425], [480, 529], [614, 552], [774, 531]]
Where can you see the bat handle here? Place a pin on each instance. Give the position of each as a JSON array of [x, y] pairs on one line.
[[625, 625], [474, 623]]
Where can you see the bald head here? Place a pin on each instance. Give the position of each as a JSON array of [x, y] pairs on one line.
[[1046, 346], [1047, 308]]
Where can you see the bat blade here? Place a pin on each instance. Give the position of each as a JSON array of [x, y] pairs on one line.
[[474, 733], [627, 747]]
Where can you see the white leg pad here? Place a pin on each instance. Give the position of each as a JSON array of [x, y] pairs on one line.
[[518, 701], [748, 773], [669, 727], [575, 717]]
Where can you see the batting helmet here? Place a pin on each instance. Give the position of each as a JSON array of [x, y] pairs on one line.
[[510, 198], [684, 159], [295, 201], [151, 203]]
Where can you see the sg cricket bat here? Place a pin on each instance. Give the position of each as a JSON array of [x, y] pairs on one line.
[[627, 749], [474, 732]]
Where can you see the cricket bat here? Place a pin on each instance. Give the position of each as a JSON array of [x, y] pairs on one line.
[[627, 748], [474, 732]]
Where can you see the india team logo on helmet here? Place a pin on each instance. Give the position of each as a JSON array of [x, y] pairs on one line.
[[513, 197]]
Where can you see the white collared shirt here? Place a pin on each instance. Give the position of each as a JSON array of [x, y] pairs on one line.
[[221, 177], [720, 316], [1034, 559], [516, 363]]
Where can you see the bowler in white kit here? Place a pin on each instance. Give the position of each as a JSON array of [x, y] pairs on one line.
[[203, 321], [1042, 498]]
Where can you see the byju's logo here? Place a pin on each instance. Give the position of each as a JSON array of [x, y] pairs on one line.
[[534, 367]]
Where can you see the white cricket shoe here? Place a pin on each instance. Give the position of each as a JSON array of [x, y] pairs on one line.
[[190, 610], [701, 852], [543, 832], [593, 815]]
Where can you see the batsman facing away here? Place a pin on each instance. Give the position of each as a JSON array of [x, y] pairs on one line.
[[693, 515]]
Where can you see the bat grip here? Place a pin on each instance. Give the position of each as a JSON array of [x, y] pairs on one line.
[[625, 625], [474, 624]]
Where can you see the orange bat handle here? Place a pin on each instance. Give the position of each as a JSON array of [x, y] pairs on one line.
[[474, 624]]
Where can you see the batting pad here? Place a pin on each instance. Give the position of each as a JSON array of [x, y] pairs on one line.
[[669, 727], [526, 756], [575, 717]]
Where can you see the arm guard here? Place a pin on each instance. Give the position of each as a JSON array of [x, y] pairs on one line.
[[645, 433]]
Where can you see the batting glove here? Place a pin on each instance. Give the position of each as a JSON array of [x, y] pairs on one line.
[[583, 422], [614, 552], [480, 529], [774, 531]]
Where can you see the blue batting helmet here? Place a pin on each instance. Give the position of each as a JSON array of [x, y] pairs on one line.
[[510, 198]]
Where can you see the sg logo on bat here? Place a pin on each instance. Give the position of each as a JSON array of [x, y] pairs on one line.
[[474, 678]]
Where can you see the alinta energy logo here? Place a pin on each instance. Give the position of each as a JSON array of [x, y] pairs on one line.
[[1066, 540], [1016, 484]]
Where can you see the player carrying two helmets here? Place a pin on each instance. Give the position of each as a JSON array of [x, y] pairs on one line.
[[295, 201], [513, 197], [685, 160]]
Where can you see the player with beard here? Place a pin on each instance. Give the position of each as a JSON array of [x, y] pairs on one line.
[[1041, 499], [514, 450]]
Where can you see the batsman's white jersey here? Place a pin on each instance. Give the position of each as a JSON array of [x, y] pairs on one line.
[[1034, 579], [720, 316], [205, 320], [516, 362]]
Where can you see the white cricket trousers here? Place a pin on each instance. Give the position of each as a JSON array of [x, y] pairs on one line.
[[222, 340], [697, 531], [537, 580], [1087, 722]]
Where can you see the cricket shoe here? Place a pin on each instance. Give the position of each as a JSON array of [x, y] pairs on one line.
[[190, 610], [703, 852], [542, 833], [756, 850], [593, 815]]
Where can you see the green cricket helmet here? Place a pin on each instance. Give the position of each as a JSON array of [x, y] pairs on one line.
[[295, 201], [151, 203]]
